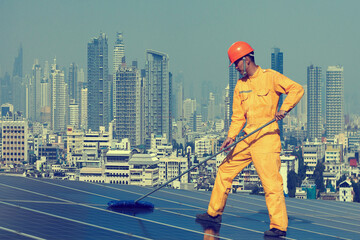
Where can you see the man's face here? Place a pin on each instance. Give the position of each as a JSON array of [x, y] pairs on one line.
[[239, 65]]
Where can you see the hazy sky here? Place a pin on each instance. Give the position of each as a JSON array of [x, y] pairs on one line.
[[195, 34]]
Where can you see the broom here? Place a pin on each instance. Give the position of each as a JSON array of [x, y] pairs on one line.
[[138, 204]]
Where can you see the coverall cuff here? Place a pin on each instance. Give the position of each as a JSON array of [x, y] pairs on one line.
[[287, 110], [233, 138]]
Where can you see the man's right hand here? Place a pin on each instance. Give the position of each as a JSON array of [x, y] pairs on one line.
[[228, 141]]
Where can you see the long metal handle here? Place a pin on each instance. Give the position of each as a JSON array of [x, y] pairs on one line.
[[205, 160]]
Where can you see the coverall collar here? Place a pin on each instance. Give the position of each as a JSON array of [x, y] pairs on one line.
[[256, 73]]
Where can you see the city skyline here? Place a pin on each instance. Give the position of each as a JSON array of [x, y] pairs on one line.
[[196, 39]]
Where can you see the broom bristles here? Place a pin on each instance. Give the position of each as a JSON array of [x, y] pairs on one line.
[[131, 204]]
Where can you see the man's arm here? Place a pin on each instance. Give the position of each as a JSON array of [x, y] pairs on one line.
[[238, 117], [293, 90]]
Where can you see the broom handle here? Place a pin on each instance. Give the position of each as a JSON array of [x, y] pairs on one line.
[[205, 160]]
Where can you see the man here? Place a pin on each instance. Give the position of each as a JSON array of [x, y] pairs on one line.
[[256, 99]]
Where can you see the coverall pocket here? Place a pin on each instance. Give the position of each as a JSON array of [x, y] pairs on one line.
[[262, 92], [244, 96], [264, 101]]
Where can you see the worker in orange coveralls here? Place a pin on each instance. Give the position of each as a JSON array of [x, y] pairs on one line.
[[256, 99]]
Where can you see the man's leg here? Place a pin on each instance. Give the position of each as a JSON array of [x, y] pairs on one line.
[[237, 159], [268, 166]]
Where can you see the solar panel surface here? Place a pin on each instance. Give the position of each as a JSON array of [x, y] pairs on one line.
[[53, 209]]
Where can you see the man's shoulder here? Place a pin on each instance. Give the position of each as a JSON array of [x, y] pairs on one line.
[[269, 71]]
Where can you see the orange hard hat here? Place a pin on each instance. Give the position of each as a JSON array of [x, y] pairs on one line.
[[238, 50]]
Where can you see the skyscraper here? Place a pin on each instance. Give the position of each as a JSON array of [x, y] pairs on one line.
[[127, 118], [158, 94], [211, 107], [119, 51], [227, 105], [334, 101], [84, 108], [18, 87], [118, 58], [98, 83], [74, 114], [59, 102], [234, 75], [277, 64], [178, 98], [74, 90], [314, 128], [34, 101], [18, 64]]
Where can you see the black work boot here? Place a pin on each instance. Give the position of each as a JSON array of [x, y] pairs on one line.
[[208, 218], [274, 232]]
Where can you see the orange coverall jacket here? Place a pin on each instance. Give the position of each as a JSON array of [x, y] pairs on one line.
[[256, 100]]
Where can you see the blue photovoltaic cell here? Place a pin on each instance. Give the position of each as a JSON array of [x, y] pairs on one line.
[[55, 209]]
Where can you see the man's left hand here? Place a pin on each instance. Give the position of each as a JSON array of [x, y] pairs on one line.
[[280, 115]]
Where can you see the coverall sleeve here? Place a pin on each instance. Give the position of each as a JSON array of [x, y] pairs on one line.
[[238, 117], [293, 90]]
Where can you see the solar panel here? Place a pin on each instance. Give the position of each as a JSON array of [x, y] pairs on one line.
[[32, 208]]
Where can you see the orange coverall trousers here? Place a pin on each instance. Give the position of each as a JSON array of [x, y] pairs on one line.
[[267, 164]]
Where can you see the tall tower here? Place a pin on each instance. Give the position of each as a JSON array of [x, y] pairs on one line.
[[34, 101], [227, 105], [18, 64], [334, 101], [127, 116], [234, 75], [277, 64], [84, 108], [74, 90], [98, 83], [58, 99], [119, 54], [17, 87], [119, 51], [314, 129], [158, 93], [211, 107]]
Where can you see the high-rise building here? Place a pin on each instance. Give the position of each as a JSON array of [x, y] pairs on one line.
[[74, 114], [211, 107], [83, 108], [189, 109], [18, 94], [46, 70], [34, 100], [98, 83], [118, 59], [178, 99], [158, 94], [314, 120], [45, 93], [59, 102], [81, 79], [5, 89], [18, 64], [14, 141], [277, 64], [74, 90], [334, 101], [301, 108], [227, 105], [234, 75], [119, 51], [17, 87], [127, 118]]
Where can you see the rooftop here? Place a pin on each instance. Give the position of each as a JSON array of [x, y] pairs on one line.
[[32, 208]]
